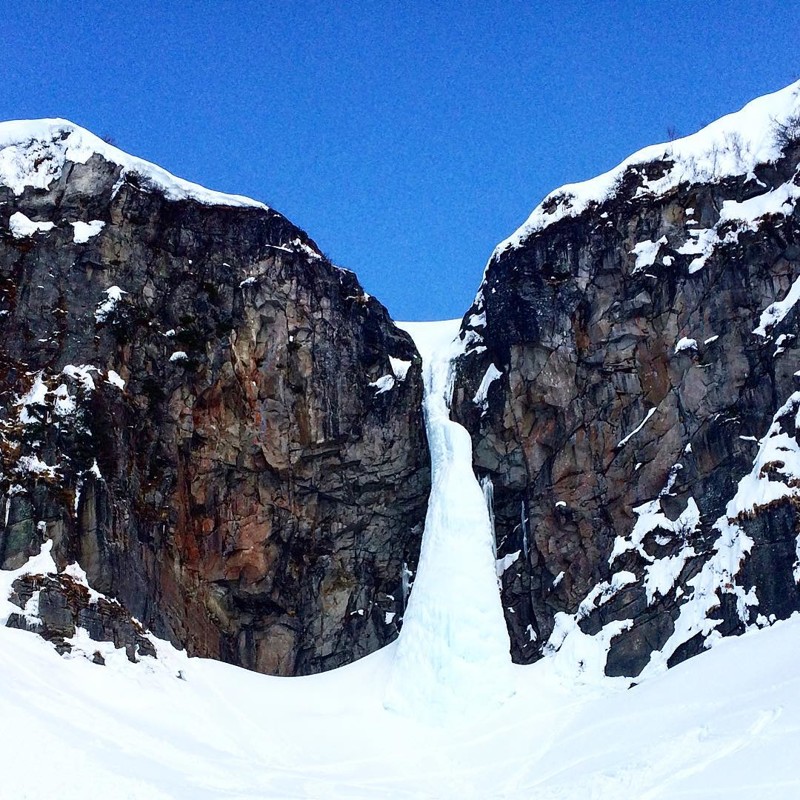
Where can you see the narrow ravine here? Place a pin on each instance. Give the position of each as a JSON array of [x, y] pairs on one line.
[[452, 656]]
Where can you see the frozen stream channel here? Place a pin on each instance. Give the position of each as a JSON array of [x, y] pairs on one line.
[[453, 653]]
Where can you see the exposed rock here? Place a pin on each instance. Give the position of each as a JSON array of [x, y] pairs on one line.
[[224, 430], [61, 605], [190, 411], [642, 367]]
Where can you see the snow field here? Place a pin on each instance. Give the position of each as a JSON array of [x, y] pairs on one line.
[[725, 724]]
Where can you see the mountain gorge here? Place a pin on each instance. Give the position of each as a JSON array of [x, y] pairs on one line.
[[220, 432]]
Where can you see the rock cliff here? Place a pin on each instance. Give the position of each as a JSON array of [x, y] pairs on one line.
[[216, 423], [210, 425], [630, 381]]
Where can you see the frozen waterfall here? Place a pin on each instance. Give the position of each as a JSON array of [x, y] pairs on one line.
[[452, 656]]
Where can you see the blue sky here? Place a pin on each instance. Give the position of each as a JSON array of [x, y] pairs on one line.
[[407, 138]]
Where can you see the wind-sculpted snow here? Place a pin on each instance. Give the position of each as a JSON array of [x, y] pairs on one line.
[[453, 656]]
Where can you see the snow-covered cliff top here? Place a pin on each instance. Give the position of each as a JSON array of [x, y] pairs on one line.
[[732, 145], [33, 153]]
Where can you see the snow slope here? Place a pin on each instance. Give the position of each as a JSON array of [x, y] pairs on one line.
[[34, 152], [730, 146], [723, 725], [441, 713]]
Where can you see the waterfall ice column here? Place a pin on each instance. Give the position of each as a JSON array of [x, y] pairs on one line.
[[452, 657]]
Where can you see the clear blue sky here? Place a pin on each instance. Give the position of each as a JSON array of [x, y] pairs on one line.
[[407, 138]]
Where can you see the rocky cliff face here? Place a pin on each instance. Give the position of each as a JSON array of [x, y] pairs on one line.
[[629, 378], [215, 422], [213, 427]]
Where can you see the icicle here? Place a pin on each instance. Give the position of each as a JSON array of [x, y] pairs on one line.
[[524, 524], [488, 494], [407, 575], [78, 490]]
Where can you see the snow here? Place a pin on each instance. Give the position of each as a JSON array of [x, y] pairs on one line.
[[115, 380], [779, 453], [399, 367], [63, 403], [387, 382], [581, 658], [441, 713], [685, 344], [783, 339], [775, 475], [649, 518], [36, 466], [774, 313], [81, 374], [602, 592], [40, 563], [646, 253], [731, 146], [34, 152], [78, 574], [430, 337], [303, 247], [490, 376], [502, 564], [723, 724], [107, 306], [179, 355], [35, 396], [717, 575], [21, 227], [660, 576], [452, 659], [622, 442], [86, 230], [383, 384]]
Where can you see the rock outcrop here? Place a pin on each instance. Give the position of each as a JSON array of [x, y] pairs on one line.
[[630, 381], [214, 421], [62, 605]]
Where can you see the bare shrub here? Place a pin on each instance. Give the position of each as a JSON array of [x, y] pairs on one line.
[[786, 133]]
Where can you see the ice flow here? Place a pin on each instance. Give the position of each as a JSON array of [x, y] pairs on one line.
[[452, 657]]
